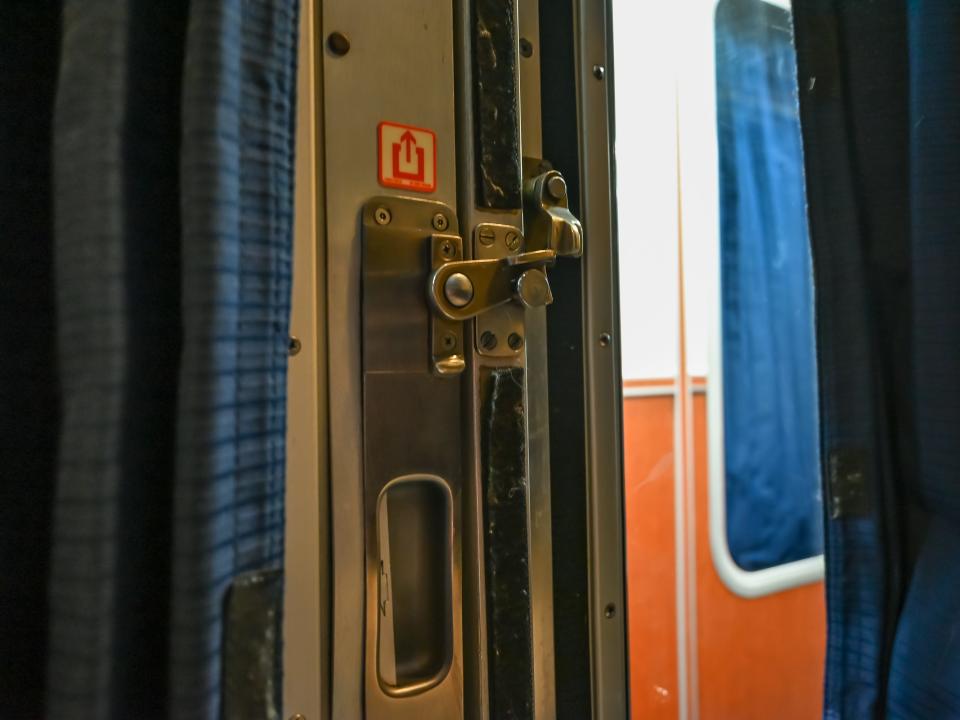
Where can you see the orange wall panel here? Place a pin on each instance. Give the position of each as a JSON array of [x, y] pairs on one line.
[[758, 658], [651, 575], [754, 659]]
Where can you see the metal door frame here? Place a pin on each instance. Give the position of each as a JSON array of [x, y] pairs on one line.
[[309, 629]]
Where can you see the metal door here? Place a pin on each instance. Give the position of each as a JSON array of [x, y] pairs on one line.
[[454, 490]]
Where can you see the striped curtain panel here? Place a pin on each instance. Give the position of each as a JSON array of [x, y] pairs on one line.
[[161, 158]]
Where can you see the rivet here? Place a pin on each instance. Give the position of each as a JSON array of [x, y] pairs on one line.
[[382, 216], [458, 290], [599, 72], [295, 345], [488, 341], [338, 43], [610, 611], [557, 187], [440, 222], [605, 340]]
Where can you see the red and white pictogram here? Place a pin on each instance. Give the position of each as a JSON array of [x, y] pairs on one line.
[[407, 157]]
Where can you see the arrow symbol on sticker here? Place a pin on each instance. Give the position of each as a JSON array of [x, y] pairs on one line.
[[408, 141]]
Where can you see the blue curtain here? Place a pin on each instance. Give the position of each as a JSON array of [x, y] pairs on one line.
[[156, 168], [881, 128], [769, 369]]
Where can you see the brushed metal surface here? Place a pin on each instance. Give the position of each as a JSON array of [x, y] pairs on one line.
[[399, 68], [412, 427]]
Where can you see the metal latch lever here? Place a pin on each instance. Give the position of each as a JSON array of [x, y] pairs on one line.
[[463, 289]]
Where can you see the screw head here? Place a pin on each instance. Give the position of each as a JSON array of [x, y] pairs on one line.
[[610, 611], [382, 216], [599, 72], [557, 187], [512, 240], [526, 48], [515, 341], [338, 43], [487, 237], [458, 290], [605, 340], [440, 222], [294, 346], [447, 250], [488, 341], [449, 341]]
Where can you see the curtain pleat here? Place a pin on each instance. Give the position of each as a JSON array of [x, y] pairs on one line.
[[171, 148], [29, 386], [236, 171], [878, 85]]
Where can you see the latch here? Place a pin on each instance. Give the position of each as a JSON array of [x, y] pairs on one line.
[[462, 289]]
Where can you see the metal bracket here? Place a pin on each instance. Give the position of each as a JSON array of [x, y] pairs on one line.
[[406, 239], [499, 333], [446, 334]]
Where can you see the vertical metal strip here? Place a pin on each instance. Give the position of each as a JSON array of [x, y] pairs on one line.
[[602, 364], [473, 210], [538, 398], [680, 478], [306, 618]]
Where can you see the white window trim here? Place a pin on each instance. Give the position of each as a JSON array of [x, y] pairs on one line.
[[700, 215]]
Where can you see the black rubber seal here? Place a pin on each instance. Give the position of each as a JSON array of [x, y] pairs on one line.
[[496, 105]]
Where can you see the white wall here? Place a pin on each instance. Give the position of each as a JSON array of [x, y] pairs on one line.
[[646, 156]]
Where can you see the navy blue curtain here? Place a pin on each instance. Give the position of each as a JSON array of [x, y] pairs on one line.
[[147, 214], [879, 84], [773, 498]]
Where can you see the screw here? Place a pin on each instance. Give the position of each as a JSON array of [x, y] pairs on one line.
[[458, 290], [512, 240], [298, 716], [487, 236], [295, 345], [488, 341], [610, 611], [440, 222], [599, 72], [338, 43], [557, 187], [605, 339], [526, 48], [447, 250], [515, 341], [449, 341], [382, 216]]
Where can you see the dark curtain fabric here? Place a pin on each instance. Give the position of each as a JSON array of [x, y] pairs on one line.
[[773, 503], [29, 384], [147, 209], [879, 84]]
